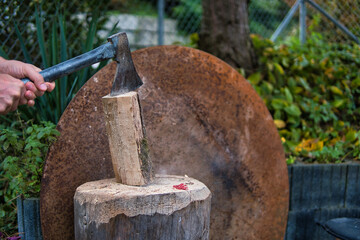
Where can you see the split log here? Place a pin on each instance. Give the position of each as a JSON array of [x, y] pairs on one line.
[[127, 140], [105, 209]]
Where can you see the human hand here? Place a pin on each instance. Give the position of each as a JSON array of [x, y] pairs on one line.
[[13, 92]]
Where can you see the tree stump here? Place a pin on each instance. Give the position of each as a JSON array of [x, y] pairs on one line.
[[106, 209]]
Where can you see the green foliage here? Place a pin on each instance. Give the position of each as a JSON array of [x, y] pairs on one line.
[[53, 46], [23, 149], [313, 94]]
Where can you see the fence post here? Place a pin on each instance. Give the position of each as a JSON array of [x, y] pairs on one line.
[[161, 9], [302, 21], [286, 21]]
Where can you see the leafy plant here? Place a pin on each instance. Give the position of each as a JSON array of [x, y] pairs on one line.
[[23, 149], [313, 93], [53, 46]]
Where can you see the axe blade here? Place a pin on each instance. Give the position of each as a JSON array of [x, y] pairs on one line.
[[126, 78]]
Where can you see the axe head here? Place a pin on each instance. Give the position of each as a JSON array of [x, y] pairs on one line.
[[126, 78]]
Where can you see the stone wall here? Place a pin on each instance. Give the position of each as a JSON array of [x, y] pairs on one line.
[[142, 31]]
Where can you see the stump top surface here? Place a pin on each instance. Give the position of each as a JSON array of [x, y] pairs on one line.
[[162, 184], [203, 119], [158, 197]]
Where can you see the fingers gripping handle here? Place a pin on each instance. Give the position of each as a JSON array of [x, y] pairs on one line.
[[26, 80]]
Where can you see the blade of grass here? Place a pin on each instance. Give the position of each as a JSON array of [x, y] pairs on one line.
[[22, 44], [63, 57], [113, 29], [89, 45], [40, 37], [70, 94], [63, 42], [56, 96], [43, 103], [3, 53], [53, 44], [92, 32]]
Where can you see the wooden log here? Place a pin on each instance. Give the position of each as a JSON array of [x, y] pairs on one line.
[[105, 209], [127, 140]]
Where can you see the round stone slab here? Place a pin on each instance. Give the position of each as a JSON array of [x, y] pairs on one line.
[[203, 119]]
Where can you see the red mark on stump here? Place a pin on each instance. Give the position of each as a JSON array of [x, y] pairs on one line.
[[181, 186]]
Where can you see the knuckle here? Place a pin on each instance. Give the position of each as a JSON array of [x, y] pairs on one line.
[[8, 103]]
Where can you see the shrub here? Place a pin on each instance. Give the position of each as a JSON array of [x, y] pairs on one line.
[[313, 94], [23, 149]]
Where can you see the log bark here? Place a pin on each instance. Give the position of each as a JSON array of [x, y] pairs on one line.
[[225, 33], [127, 141], [108, 210]]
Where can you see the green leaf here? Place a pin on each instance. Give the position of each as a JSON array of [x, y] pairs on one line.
[[277, 114], [29, 130], [288, 95], [6, 145], [279, 68], [351, 136], [255, 78], [304, 83], [338, 103], [293, 110], [272, 78], [295, 134], [278, 104], [279, 123], [355, 83], [268, 86], [2, 137], [336, 90], [285, 62], [293, 120], [290, 160]]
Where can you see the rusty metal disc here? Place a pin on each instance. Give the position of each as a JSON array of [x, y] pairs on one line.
[[203, 119]]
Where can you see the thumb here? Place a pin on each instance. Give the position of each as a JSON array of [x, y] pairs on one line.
[[33, 73]]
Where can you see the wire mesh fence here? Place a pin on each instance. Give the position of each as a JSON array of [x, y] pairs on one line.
[[346, 13], [21, 22]]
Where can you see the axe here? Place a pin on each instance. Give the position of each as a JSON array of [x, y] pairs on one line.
[[126, 78]]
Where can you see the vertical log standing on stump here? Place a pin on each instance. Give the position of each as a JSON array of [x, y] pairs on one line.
[[127, 141]]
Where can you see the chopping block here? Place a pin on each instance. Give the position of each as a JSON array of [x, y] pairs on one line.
[[106, 209], [135, 204]]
